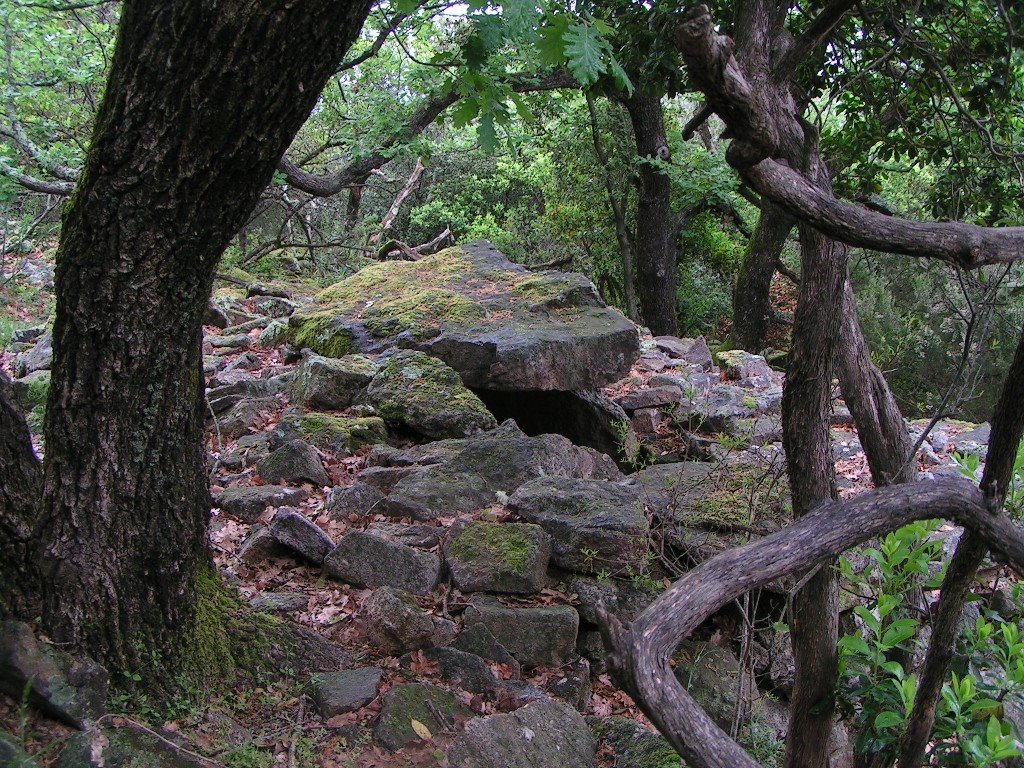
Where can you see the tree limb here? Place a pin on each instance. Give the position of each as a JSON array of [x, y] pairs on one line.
[[814, 35], [640, 653]]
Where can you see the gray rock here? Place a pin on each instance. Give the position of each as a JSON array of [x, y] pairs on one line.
[[259, 545], [279, 602], [539, 636], [416, 536], [711, 675], [109, 747], [257, 289], [544, 734], [299, 534], [331, 383], [249, 503], [420, 392], [32, 390], [649, 398], [358, 499], [396, 623], [478, 640], [464, 670], [338, 692], [274, 306], [496, 557], [365, 560], [619, 598], [427, 704], [738, 364], [294, 462], [384, 479], [436, 492], [595, 525], [27, 335], [68, 688], [230, 343], [496, 323], [572, 684], [245, 416], [275, 334], [39, 358]]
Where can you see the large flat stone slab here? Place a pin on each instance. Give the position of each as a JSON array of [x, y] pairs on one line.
[[499, 325]]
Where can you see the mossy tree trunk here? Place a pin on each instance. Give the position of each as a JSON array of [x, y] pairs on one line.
[[201, 102], [751, 302]]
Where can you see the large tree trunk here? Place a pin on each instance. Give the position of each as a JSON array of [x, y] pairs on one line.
[[19, 506], [201, 102], [655, 241], [751, 308]]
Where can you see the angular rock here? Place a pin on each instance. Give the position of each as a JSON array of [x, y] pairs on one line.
[[109, 747], [650, 397], [572, 684], [259, 545], [338, 692], [274, 306], [70, 689], [498, 557], [498, 324], [358, 499], [294, 462], [479, 641], [340, 435], [396, 623], [463, 670], [331, 383], [417, 536], [620, 598], [422, 393], [429, 705], [539, 636], [436, 492], [32, 390], [544, 734], [299, 534], [39, 358], [595, 525], [247, 504], [711, 675], [245, 416], [275, 334], [738, 364], [365, 560]]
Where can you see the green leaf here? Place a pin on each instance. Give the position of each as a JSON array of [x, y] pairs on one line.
[[467, 110], [551, 42], [887, 719], [486, 133], [584, 49]]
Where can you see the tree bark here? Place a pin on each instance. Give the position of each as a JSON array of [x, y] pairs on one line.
[[880, 424], [19, 507], [201, 101], [751, 307], [655, 241]]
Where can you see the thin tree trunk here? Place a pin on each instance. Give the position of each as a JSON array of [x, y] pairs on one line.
[[200, 103], [751, 307], [19, 505], [618, 215], [880, 424], [1007, 433], [655, 241]]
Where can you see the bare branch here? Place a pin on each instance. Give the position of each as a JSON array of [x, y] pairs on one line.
[[966, 245], [814, 35], [32, 184], [640, 653]]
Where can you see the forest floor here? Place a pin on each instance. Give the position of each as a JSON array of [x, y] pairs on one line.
[[272, 721]]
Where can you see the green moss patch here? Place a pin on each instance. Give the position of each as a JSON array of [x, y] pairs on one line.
[[490, 542]]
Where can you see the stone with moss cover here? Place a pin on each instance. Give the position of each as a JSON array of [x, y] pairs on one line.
[[420, 392], [498, 557], [495, 322], [331, 383], [340, 435], [405, 704]]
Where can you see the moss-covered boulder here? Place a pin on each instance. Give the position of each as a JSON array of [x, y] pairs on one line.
[[31, 391], [405, 705], [498, 557], [331, 383], [340, 435], [496, 323], [422, 393]]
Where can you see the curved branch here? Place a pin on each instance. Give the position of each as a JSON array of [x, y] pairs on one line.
[[357, 171], [640, 653], [960, 243], [32, 184]]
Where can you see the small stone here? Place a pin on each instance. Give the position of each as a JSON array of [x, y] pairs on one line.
[[274, 306], [416, 536], [259, 545], [340, 435], [396, 623], [633, 746], [273, 335], [498, 557], [276, 290], [572, 684], [358, 499], [39, 358], [738, 364], [365, 560], [294, 531], [238, 341], [538, 636], [649, 398], [431, 706], [247, 504], [294, 462], [338, 692], [544, 734]]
